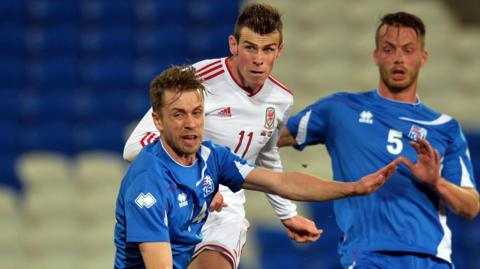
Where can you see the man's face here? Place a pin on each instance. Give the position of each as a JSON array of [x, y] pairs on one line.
[[399, 57], [255, 56], [181, 122]]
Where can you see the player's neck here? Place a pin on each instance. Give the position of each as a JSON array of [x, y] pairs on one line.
[[182, 159], [408, 95], [232, 64]]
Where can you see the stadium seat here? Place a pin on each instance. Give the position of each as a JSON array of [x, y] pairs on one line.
[[209, 42], [13, 72], [159, 41], [52, 11], [107, 11], [101, 135], [151, 12], [13, 10], [276, 250], [54, 72], [211, 12], [12, 35], [108, 41], [55, 136], [46, 107], [53, 41], [114, 72]]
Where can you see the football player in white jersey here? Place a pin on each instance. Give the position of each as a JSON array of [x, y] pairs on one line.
[[245, 108]]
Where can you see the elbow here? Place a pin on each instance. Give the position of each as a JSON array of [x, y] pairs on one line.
[[471, 212]]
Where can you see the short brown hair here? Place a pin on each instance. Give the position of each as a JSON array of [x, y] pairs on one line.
[[176, 78], [402, 19], [260, 18]]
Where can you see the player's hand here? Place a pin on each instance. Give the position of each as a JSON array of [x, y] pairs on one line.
[[427, 167], [373, 182], [217, 203], [301, 229]]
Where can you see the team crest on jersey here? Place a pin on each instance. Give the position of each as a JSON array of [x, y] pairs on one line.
[[182, 200], [270, 118], [208, 186], [366, 117], [417, 131]]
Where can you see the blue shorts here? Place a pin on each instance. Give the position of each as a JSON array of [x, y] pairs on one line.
[[398, 260]]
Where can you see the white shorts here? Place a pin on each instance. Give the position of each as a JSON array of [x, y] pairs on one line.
[[224, 232]]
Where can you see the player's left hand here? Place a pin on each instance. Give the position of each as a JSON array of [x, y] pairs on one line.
[[301, 229], [427, 167], [217, 203]]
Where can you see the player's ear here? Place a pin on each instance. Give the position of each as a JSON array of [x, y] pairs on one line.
[[375, 56], [424, 57], [233, 45], [157, 121], [280, 49]]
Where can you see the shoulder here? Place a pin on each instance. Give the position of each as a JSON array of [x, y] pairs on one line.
[[280, 87], [208, 69]]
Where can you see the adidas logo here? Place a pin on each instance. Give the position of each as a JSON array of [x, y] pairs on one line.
[[226, 112]]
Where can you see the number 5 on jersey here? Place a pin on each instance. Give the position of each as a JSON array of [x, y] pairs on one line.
[[395, 144]]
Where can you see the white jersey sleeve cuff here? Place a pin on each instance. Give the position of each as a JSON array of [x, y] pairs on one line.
[[284, 208]]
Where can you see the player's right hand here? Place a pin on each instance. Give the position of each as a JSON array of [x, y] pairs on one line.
[[374, 181], [217, 203]]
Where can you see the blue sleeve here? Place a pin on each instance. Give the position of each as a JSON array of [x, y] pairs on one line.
[[232, 169], [310, 126], [146, 210], [457, 166]]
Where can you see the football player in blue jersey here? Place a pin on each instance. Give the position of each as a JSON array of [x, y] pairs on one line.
[[404, 224], [163, 199]]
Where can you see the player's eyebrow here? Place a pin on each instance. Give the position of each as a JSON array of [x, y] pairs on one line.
[[255, 45]]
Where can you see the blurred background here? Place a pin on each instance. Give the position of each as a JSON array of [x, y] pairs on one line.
[[74, 78]]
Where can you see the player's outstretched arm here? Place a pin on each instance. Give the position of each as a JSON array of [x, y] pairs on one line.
[[286, 139], [463, 201], [303, 187], [156, 255]]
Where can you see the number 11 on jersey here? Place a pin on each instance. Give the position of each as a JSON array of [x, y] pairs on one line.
[[240, 141]]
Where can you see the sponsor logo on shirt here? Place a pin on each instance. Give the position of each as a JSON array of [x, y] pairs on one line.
[[182, 200], [208, 186], [269, 118], [226, 112], [366, 117], [417, 131], [145, 200]]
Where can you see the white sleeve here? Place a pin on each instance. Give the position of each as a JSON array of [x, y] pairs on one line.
[[269, 157], [144, 133]]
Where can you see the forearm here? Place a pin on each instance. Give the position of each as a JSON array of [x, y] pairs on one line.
[[463, 201], [156, 255]]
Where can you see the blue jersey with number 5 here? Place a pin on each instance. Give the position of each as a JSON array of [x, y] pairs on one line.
[[363, 132]]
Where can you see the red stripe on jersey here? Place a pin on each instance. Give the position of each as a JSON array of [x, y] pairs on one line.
[[217, 248], [272, 79], [151, 138], [215, 67], [208, 65], [213, 75], [142, 141]]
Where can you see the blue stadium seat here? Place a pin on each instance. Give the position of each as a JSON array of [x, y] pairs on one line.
[[12, 73], [44, 107], [100, 135], [12, 10], [9, 137], [209, 42], [323, 253], [108, 40], [54, 72], [9, 105], [159, 42], [276, 250], [148, 68], [55, 40], [51, 135], [12, 39], [8, 176], [115, 72], [212, 12], [54, 11], [107, 11], [161, 12]]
